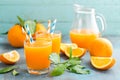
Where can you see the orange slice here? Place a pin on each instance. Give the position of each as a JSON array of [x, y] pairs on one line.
[[63, 46], [76, 52], [102, 63], [10, 57], [101, 47]]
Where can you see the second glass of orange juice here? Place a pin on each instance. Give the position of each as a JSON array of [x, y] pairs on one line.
[[55, 37], [56, 40], [37, 55]]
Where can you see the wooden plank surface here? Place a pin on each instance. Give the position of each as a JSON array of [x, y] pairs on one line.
[[112, 74]]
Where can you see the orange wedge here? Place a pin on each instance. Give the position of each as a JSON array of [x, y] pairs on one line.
[[10, 57], [76, 52], [102, 63], [63, 46]]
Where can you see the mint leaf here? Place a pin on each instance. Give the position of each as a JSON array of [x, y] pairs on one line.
[[14, 73], [31, 24], [58, 70], [35, 21], [7, 69], [4, 33], [70, 52], [21, 21], [78, 69], [55, 58], [73, 61]]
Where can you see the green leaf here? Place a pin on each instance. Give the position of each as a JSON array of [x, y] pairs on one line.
[[73, 61], [4, 33], [14, 73], [21, 21], [31, 24], [55, 58], [7, 69], [70, 52], [78, 69], [58, 70], [35, 21]]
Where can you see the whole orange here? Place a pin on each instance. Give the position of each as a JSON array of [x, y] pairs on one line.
[[15, 36], [101, 47], [40, 27]]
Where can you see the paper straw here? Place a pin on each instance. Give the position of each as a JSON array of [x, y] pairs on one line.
[[53, 26], [25, 33], [28, 33], [49, 24]]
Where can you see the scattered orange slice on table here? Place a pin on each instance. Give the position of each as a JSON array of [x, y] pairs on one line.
[[10, 57], [63, 46], [76, 52], [102, 63], [101, 47]]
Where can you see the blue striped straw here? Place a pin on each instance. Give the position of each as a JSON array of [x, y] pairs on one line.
[[25, 33], [53, 26], [28, 33]]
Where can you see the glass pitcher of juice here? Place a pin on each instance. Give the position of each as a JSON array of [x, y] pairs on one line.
[[84, 28]]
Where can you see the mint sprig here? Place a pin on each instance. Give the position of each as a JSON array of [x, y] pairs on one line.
[[72, 65]]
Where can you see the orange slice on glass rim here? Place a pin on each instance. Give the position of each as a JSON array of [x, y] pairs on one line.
[[10, 57]]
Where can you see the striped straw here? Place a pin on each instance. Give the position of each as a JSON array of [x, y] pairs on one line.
[[25, 33], [49, 24], [28, 33], [53, 26]]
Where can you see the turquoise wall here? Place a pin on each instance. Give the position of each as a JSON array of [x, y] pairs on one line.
[[62, 10]]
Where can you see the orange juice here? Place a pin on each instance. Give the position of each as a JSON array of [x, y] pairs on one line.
[[56, 40], [55, 37], [37, 55], [83, 38]]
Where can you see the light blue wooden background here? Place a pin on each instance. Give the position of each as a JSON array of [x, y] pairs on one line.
[[62, 10]]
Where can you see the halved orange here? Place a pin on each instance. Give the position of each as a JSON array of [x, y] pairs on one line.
[[102, 63], [63, 46], [10, 57], [76, 52]]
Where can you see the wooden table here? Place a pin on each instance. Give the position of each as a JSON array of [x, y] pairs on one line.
[[111, 74]]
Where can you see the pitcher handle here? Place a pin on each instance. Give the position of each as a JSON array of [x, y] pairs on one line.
[[102, 19]]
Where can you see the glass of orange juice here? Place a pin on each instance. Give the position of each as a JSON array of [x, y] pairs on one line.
[[37, 55], [56, 40], [55, 37]]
